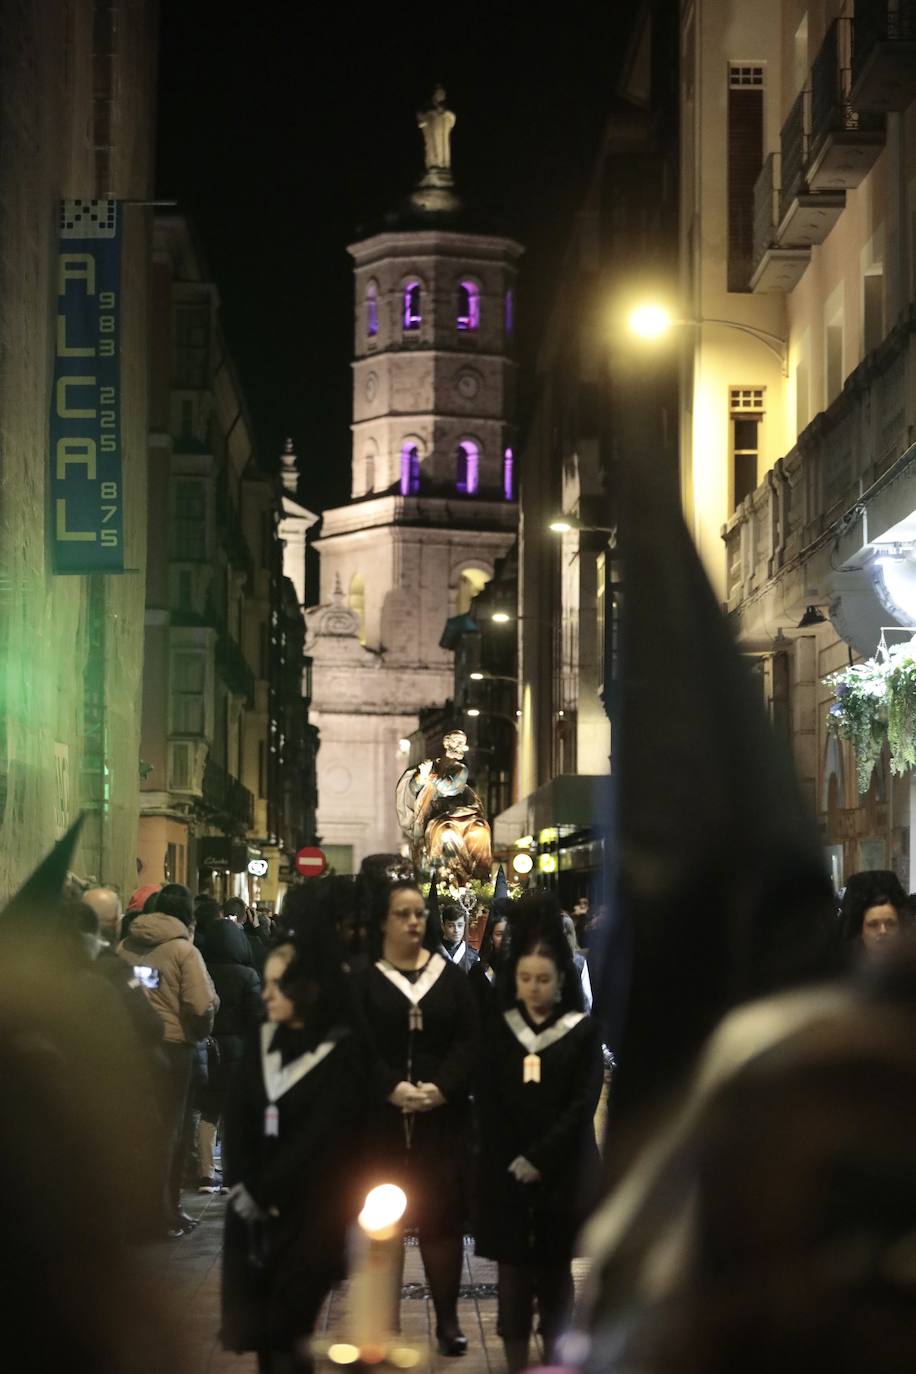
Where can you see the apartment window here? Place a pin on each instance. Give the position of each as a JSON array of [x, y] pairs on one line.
[[192, 346], [171, 863], [744, 159], [746, 418], [189, 519], [188, 681], [873, 309]]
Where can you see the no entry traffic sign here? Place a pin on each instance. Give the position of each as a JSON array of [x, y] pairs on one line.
[[311, 862]]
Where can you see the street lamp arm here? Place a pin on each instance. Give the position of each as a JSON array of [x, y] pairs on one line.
[[774, 342]]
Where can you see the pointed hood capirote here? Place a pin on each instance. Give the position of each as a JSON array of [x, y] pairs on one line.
[[41, 893], [501, 886], [433, 937], [718, 886]]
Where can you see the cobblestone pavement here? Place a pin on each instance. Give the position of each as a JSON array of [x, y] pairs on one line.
[[189, 1270]]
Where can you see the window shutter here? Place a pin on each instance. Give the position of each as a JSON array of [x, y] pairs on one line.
[[745, 159]]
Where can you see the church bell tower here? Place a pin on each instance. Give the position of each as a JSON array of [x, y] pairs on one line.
[[432, 495]]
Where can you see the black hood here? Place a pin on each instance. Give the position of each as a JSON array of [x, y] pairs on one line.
[[226, 943]]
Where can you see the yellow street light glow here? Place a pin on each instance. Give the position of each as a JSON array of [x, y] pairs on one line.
[[547, 863], [382, 1210], [476, 677], [525, 842], [650, 321], [501, 617], [522, 863], [341, 1353], [560, 526]]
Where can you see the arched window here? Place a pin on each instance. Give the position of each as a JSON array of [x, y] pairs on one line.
[[372, 310], [412, 306], [356, 600], [468, 313], [467, 467], [370, 473], [410, 470], [508, 475], [471, 581], [509, 314]]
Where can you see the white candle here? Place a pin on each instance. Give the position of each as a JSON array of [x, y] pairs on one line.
[[373, 1286]]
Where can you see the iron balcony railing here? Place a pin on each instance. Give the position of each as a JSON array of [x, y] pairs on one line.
[[794, 149], [831, 83], [226, 796], [880, 21]]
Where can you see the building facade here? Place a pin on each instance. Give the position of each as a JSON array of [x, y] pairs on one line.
[[799, 225], [592, 399], [224, 716], [76, 122], [432, 505]]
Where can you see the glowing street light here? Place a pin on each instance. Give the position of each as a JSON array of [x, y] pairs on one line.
[[471, 711], [567, 524], [650, 321], [500, 617]]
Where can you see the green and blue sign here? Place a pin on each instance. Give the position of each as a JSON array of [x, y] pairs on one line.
[[87, 510]]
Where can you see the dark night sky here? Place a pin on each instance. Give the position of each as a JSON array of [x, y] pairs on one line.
[[283, 132]]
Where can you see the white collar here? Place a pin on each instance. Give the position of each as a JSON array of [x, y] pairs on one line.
[[535, 1041], [280, 1077], [414, 992], [458, 952]]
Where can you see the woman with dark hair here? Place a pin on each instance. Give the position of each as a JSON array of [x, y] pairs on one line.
[[493, 951], [292, 1135], [874, 911], [537, 1088], [421, 1018], [255, 930]]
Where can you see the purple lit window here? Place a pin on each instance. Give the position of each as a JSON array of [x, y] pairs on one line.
[[467, 467], [510, 313], [468, 316], [372, 310], [508, 489], [410, 470], [412, 316]]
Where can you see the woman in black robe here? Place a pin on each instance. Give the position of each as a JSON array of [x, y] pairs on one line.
[[422, 1025], [537, 1086], [292, 1137], [494, 947]]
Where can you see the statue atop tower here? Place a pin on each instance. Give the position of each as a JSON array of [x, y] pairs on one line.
[[436, 125], [435, 193]]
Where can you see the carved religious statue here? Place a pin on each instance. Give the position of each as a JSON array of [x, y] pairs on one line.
[[436, 125], [443, 817]]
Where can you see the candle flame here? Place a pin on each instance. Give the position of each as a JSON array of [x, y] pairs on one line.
[[382, 1210]]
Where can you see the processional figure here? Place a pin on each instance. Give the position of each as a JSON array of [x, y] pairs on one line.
[[443, 818]]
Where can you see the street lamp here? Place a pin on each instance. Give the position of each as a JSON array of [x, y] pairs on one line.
[[650, 321], [475, 711], [566, 524], [491, 677], [500, 617]]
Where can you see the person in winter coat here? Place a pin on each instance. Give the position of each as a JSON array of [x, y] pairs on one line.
[[239, 990], [537, 1086], [292, 1134], [186, 1001], [256, 931], [422, 1023]]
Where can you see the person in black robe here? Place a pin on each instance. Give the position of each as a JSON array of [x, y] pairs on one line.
[[483, 975], [454, 938], [422, 1023], [292, 1139], [537, 1085]]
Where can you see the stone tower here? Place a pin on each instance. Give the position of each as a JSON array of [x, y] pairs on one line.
[[432, 499]]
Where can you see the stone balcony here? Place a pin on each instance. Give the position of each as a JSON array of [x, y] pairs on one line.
[[807, 495], [884, 54]]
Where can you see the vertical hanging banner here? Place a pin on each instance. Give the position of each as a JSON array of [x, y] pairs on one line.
[[87, 513]]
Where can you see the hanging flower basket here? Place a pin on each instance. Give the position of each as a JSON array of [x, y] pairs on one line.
[[876, 702]]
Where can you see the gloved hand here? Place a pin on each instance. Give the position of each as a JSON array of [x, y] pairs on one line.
[[524, 1171], [244, 1205], [431, 1097], [408, 1097]]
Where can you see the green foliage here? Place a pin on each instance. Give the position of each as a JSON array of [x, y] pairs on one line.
[[876, 701]]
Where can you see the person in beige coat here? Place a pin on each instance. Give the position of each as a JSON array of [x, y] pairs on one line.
[[181, 992]]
